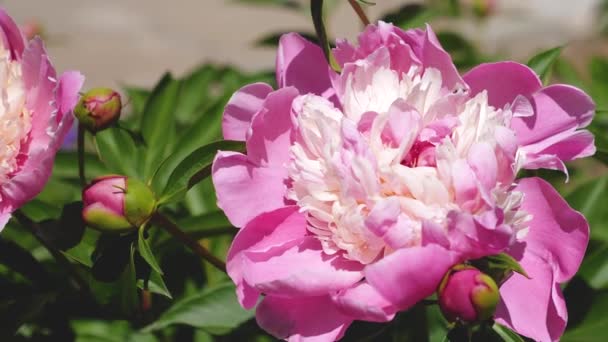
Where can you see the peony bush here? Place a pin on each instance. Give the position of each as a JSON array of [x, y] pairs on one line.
[[401, 187]]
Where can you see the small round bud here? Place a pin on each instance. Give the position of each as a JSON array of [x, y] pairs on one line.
[[117, 204], [468, 295], [98, 109]]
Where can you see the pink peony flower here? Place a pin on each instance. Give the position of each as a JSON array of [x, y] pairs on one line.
[[359, 191], [35, 115]]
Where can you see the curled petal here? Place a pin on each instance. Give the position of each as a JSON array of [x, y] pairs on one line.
[[267, 233], [301, 64], [271, 129], [515, 79], [302, 319], [241, 108], [11, 36], [302, 270], [363, 302], [245, 190], [410, 274]]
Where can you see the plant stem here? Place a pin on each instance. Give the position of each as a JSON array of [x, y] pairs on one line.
[[194, 245], [360, 12], [81, 175], [36, 231]]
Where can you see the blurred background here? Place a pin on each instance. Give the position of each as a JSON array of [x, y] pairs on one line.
[[133, 41]]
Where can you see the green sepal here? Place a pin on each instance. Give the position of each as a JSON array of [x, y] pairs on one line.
[[140, 202]]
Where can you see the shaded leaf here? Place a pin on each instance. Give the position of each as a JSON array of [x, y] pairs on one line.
[[507, 334], [194, 168], [543, 63], [146, 253], [215, 310]]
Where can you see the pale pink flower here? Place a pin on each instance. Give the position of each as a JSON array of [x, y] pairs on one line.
[[35, 115], [360, 190]]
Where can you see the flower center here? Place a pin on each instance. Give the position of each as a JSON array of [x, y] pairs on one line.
[[15, 119], [403, 152]]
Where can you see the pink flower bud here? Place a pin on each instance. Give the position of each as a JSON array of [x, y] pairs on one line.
[[117, 204], [98, 109], [468, 295]]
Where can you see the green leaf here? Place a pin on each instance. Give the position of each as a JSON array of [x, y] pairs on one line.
[[216, 310], [590, 199], [156, 284], [410, 16], [507, 334], [501, 263], [194, 168], [543, 63], [593, 327], [595, 266], [137, 98], [128, 282], [65, 161], [117, 150], [91, 330], [21, 260], [598, 69], [145, 251], [158, 122]]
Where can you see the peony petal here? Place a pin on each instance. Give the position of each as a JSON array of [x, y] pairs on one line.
[[551, 254], [240, 109], [271, 129], [514, 79], [302, 319], [429, 51], [302, 270], [558, 108], [302, 64], [558, 234], [276, 229], [410, 274], [11, 36], [363, 302], [4, 218], [245, 190], [533, 307]]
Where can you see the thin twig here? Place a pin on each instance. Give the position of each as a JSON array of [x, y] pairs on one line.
[[36, 231], [360, 12], [81, 174], [196, 247]]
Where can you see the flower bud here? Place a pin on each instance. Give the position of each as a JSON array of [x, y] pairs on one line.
[[468, 295], [117, 204], [98, 109]]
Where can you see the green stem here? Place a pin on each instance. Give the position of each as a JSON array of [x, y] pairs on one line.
[[360, 12], [81, 174], [194, 245], [36, 231], [316, 10]]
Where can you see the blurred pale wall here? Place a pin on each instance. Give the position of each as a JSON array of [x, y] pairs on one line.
[[133, 41]]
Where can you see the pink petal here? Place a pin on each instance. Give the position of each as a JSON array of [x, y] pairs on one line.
[[515, 79], [245, 190], [302, 64], [558, 234], [551, 254], [12, 38], [4, 218], [533, 307], [429, 51], [558, 108], [269, 232], [409, 274], [364, 303], [270, 137], [302, 319], [302, 270], [66, 98], [240, 109]]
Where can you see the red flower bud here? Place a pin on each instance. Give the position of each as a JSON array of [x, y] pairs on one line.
[[468, 295], [98, 109], [117, 204]]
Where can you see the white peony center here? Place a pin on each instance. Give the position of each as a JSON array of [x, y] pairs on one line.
[[15, 119], [370, 176]]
